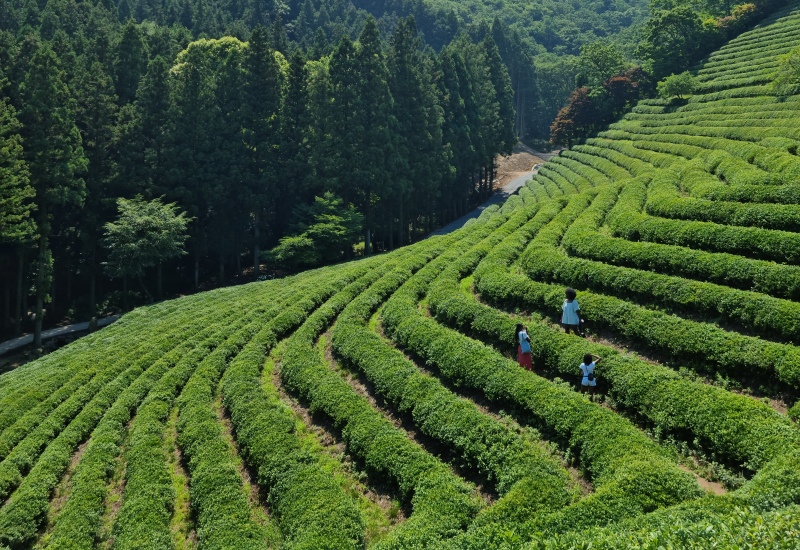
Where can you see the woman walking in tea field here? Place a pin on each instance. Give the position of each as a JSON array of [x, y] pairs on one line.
[[523, 347]]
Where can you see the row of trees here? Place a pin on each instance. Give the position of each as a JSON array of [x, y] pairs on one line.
[[253, 140]]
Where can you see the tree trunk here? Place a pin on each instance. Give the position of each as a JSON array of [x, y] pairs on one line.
[[52, 307], [37, 326], [368, 220], [159, 282], [68, 299], [93, 283], [196, 270], [40, 277], [20, 277], [221, 269], [144, 289], [391, 231], [125, 293], [256, 251], [6, 307], [403, 227]]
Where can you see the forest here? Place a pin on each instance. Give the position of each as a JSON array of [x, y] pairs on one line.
[[153, 148]]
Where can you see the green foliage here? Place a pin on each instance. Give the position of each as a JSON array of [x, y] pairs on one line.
[[600, 61], [145, 234], [325, 232], [678, 226], [787, 77], [15, 193], [672, 39], [794, 412], [677, 85]]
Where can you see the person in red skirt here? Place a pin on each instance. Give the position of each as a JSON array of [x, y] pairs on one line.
[[523, 347]]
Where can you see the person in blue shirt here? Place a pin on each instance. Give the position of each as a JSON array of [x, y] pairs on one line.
[[570, 318], [523, 347], [588, 379]]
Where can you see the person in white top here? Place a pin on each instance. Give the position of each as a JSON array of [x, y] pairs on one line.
[[587, 370], [570, 318]]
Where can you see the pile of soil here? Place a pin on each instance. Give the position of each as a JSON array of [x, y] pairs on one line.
[[514, 165]]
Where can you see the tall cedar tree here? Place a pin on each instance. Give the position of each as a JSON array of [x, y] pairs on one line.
[[457, 132], [293, 185], [189, 181], [16, 205], [261, 121], [230, 157], [417, 137], [369, 171], [55, 157], [95, 118], [130, 62]]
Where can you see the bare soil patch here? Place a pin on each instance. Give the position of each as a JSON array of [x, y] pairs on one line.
[[708, 486], [516, 164]]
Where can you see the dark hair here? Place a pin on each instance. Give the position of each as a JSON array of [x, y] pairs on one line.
[[570, 293], [517, 331], [587, 358]]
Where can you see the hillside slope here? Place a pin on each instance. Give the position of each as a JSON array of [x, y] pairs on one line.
[[378, 403]]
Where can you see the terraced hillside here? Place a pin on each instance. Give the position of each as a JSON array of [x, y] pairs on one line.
[[378, 403]]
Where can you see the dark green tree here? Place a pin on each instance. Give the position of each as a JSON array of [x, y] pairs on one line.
[[95, 117], [55, 157], [16, 206], [293, 185], [17, 228], [672, 41], [369, 171], [261, 122], [144, 235], [130, 62], [153, 108], [417, 157]]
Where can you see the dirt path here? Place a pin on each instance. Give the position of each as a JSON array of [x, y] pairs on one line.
[[519, 163], [512, 173]]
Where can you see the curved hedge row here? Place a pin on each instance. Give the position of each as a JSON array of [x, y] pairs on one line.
[[526, 476], [312, 509], [737, 429], [79, 521], [692, 340], [760, 243], [442, 504], [726, 269]]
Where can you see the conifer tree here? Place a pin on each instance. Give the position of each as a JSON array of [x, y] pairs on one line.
[[293, 187], [95, 115], [153, 107], [417, 138], [373, 145], [16, 206], [17, 228], [130, 62], [343, 112], [261, 106], [229, 159], [55, 158], [456, 133]]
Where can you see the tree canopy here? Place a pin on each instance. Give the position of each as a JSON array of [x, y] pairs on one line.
[[145, 234]]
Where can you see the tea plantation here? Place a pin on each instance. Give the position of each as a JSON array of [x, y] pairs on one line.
[[379, 404]]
